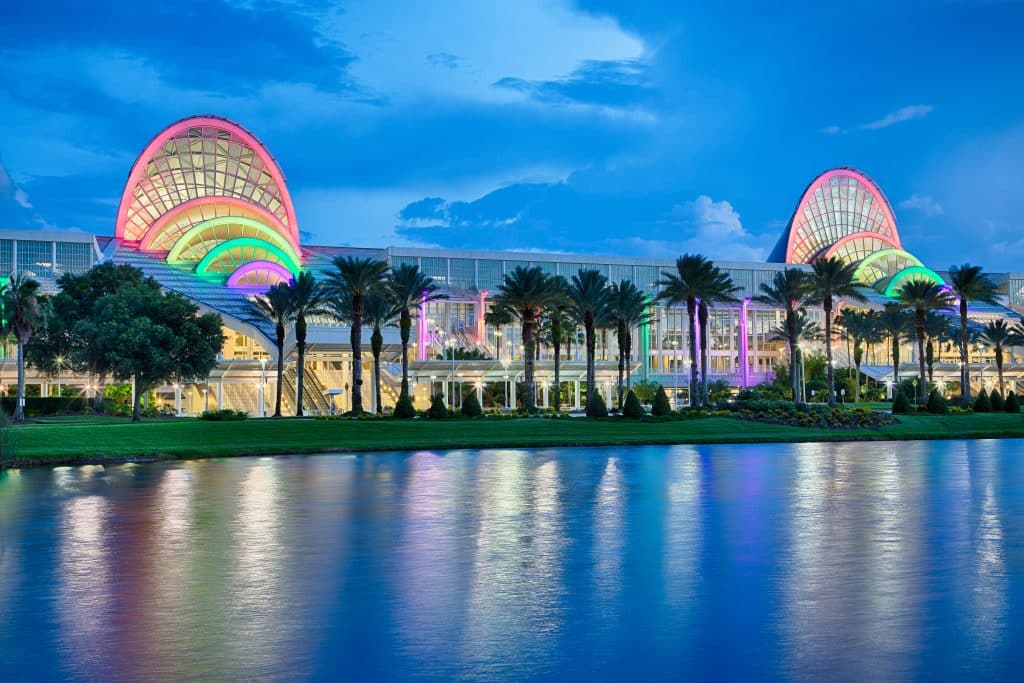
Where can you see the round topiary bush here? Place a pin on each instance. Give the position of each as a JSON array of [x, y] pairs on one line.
[[901, 404], [438, 410], [995, 399], [1011, 405], [936, 403], [632, 408], [471, 406], [596, 406], [404, 408], [661, 406], [981, 403]]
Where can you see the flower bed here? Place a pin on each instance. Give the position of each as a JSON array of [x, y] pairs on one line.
[[804, 415]]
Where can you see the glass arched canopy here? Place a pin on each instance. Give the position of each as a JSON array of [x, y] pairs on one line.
[[206, 193]]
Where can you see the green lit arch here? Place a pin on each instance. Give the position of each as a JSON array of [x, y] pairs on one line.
[[911, 273], [203, 268], [868, 261], [266, 233]]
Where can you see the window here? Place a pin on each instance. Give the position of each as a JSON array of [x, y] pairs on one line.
[[35, 257], [463, 273], [6, 256], [489, 274], [436, 268], [73, 257], [620, 273]]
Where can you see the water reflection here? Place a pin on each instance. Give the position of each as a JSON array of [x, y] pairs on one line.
[[844, 561]]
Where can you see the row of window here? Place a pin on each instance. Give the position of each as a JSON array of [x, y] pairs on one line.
[[43, 258]]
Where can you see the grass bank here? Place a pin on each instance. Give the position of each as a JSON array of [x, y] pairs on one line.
[[88, 440]]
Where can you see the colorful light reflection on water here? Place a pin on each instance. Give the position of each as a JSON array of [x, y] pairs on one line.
[[808, 561]]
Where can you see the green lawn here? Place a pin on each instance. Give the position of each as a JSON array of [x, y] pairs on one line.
[[77, 440]]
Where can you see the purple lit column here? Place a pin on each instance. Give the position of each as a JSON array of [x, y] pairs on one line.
[[744, 368], [421, 331]]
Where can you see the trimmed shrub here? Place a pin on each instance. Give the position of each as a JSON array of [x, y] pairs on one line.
[[632, 408], [981, 403], [224, 415], [995, 399], [1011, 405], [404, 409], [596, 406], [901, 404], [661, 406], [437, 410], [471, 406], [936, 403]]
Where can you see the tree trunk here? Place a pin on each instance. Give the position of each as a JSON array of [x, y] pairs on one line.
[[19, 405], [376, 346], [965, 371], [622, 360], [588, 327], [999, 371], [97, 399], [858, 356], [300, 346], [280, 370], [556, 342], [629, 359], [691, 313], [530, 394], [829, 370], [405, 327], [794, 383], [356, 342], [895, 359], [922, 382], [929, 353], [702, 312], [137, 402]]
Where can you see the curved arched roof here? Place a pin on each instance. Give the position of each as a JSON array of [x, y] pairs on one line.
[[837, 204], [202, 156]]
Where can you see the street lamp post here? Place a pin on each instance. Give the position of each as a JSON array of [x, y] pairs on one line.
[[263, 387], [60, 361]]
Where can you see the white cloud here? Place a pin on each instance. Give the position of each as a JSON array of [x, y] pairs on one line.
[[914, 111], [483, 42], [717, 231], [923, 203], [831, 130], [21, 198]]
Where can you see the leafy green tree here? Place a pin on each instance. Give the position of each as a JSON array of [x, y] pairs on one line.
[[982, 403], [921, 296], [498, 316], [632, 408], [936, 404], [596, 406], [61, 334], [969, 283], [830, 279], [588, 292], [275, 306], [996, 401], [788, 291], [154, 337], [802, 329], [628, 309], [21, 307], [999, 336], [354, 279], [661, 405], [410, 289], [525, 293], [900, 403], [438, 410], [1012, 403], [470, 406], [645, 391]]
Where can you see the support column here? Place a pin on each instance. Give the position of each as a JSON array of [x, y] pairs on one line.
[[481, 329], [544, 395], [744, 363], [421, 330], [220, 395], [512, 393], [576, 394], [480, 394]]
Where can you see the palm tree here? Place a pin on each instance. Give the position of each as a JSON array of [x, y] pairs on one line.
[[788, 291], [803, 330], [936, 328], [831, 278], [628, 306], [998, 336], [696, 279], [557, 305], [355, 278], [410, 289], [21, 302], [275, 306], [896, 324], [969, 283], [380, 310], [525, 292], [498, 317], [306, 297], [862, 329], [589, 294], [719, 289], [921, 295]]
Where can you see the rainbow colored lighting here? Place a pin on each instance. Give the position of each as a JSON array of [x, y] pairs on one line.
[[216, 256], [258, 276], [908, 274]]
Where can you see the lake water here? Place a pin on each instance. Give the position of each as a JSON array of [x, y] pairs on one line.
[[859, 562]]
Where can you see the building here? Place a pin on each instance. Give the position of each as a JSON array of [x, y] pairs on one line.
[[206, 211]]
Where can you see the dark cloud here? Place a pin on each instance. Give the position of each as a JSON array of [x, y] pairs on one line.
[[618, 83]]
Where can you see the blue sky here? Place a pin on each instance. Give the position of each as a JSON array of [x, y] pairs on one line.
[[598, 126]]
